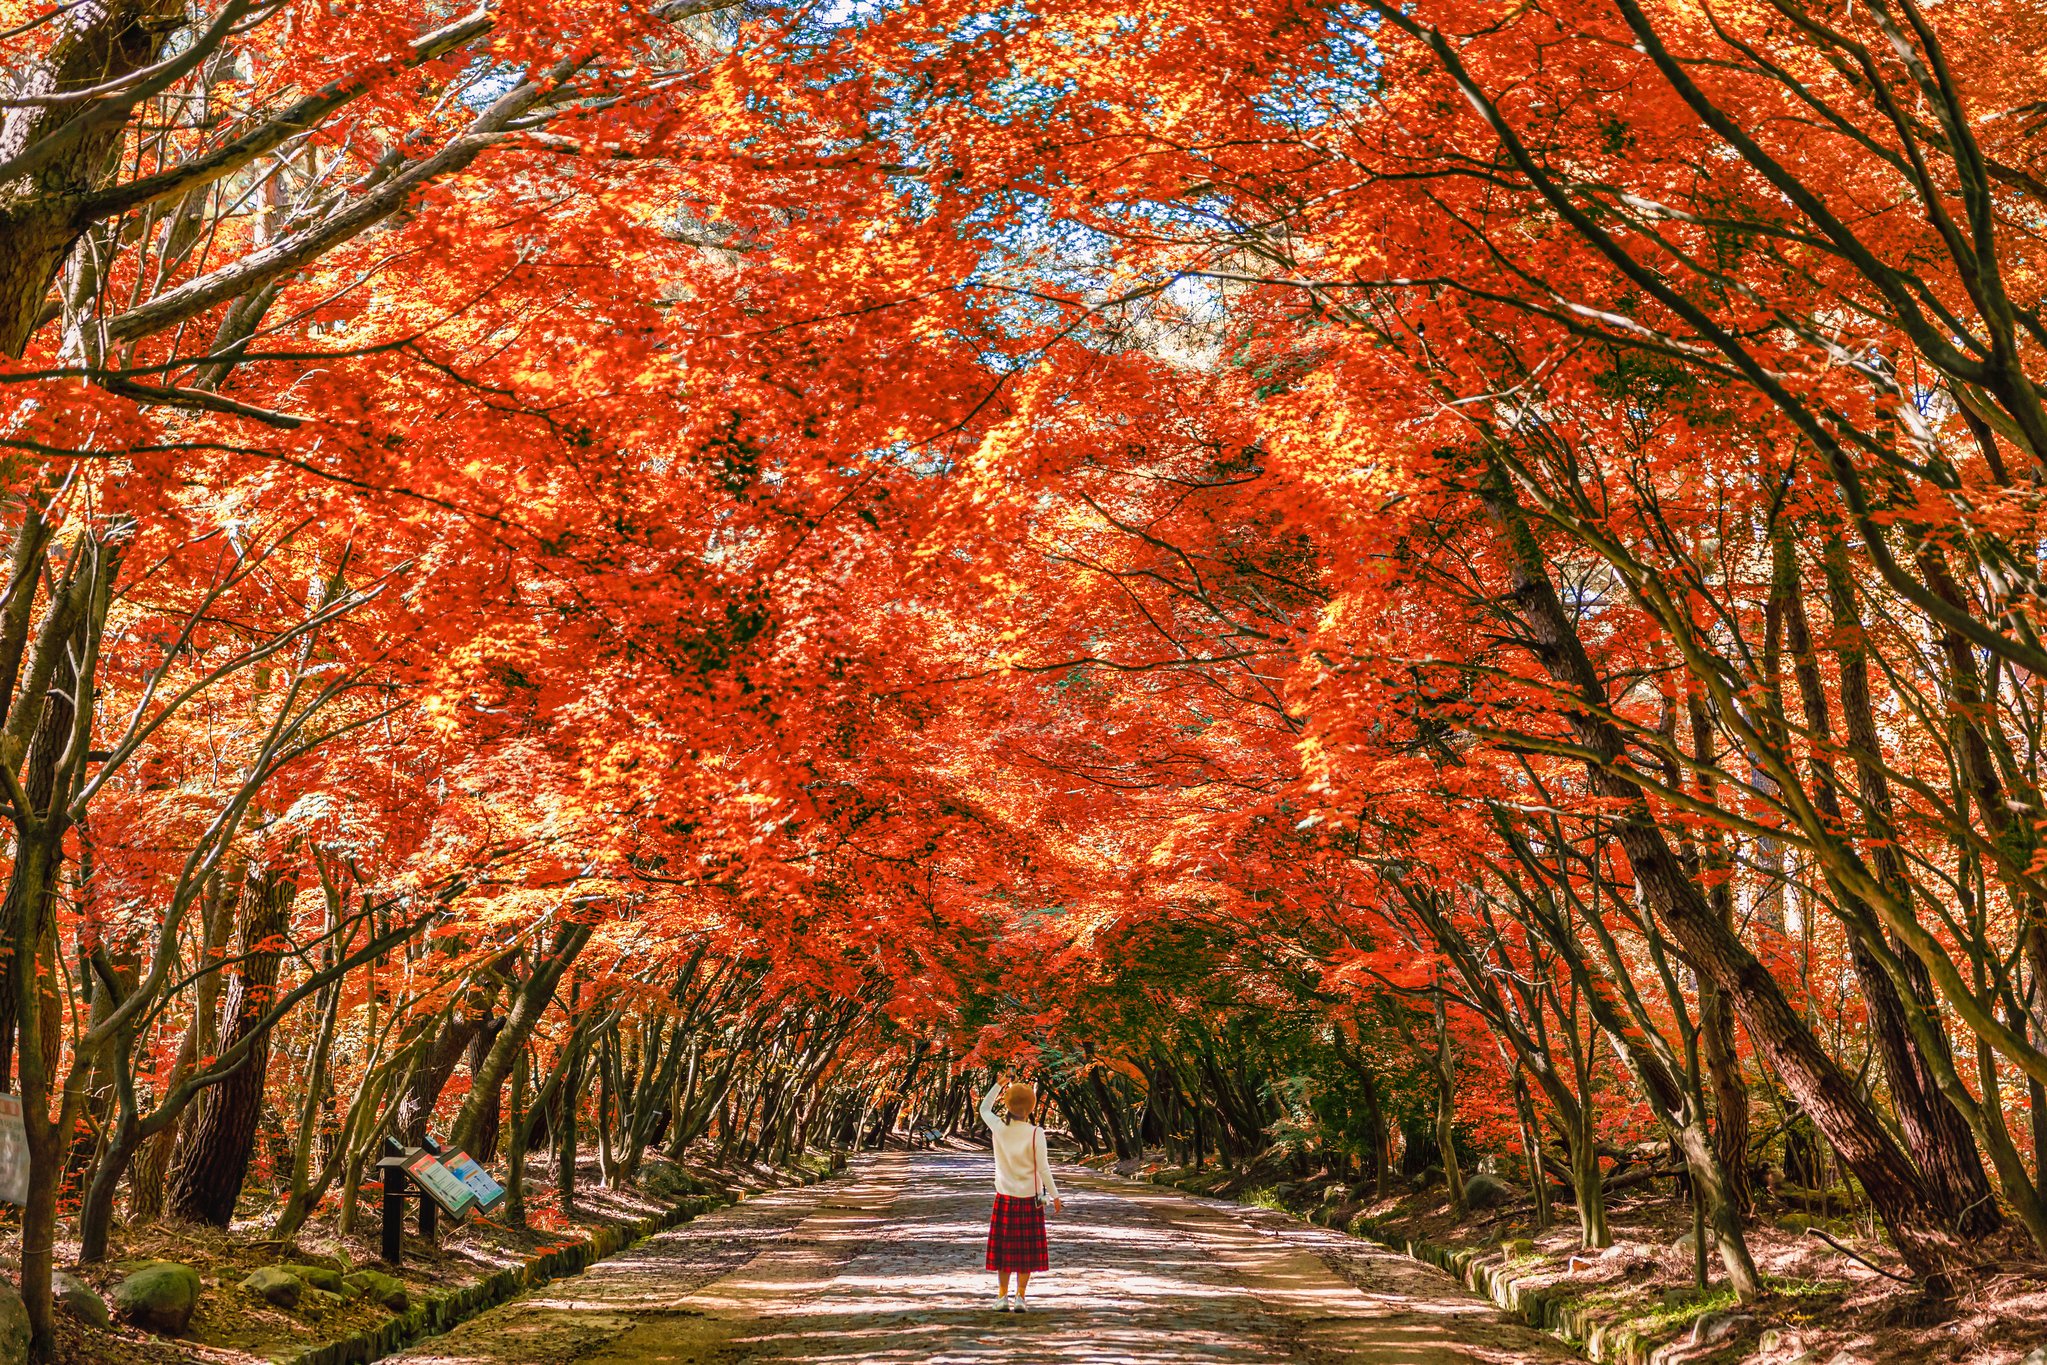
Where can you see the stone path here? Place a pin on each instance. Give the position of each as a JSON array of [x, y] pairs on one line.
[[884, 1265]]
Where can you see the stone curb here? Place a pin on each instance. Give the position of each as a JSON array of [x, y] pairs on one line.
[[444, 1311], [1597, 1338]]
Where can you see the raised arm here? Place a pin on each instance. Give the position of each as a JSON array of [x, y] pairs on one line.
[[988, 1105]]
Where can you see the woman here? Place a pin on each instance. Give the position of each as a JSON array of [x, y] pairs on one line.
[[1023, 1181]]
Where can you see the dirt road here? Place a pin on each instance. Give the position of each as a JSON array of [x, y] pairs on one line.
[[884, 1265]]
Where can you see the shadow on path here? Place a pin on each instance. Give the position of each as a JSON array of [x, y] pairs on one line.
[[884, 1266]]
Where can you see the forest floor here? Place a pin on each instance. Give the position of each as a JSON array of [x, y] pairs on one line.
[[232, 1327], [1824, 1308], [885, 1265]]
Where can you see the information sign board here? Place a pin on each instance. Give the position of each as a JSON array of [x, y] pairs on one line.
[[440, 1184], [489, 1194], [13, 1152]]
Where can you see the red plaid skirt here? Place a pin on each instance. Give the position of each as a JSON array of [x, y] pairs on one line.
[[1016, 1235]]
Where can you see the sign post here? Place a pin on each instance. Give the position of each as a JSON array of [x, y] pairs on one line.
[[392, 1170], [418, 1173]]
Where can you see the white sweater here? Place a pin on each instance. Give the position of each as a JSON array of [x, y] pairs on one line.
[[1017, 1143]]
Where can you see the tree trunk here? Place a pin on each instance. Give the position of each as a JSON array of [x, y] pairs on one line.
[[1919, 1227], [24, 902], [1531, 1151], [1588, 1185], [39, 214], [2036, 1093], [299, 1201], [1935, 1132], [416, 1110], [1446, 1104], [656, 1084], [571, 1094], [1375, 1130], [510, 1042], [515, 1154], [1716, 1019], [89, 1144], [607, 1090], [208, 1179], [155, 1156], [483, 1143], [1110, 1119], [51, 727]]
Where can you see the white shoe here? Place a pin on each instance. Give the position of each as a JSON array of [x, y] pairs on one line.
[[1021, 1306], [1002, 1303]]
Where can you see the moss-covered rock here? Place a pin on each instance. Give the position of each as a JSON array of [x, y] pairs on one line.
[[80, 1299], [319, 1276], [378, 1287], [274, 1285], [158, 1296], [338, 1264]]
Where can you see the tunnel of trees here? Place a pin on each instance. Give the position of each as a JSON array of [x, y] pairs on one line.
[[1366, 588]]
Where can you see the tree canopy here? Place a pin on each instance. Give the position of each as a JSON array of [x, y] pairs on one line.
[[1456, 576]]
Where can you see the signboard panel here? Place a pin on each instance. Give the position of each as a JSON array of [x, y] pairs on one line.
[[440, 1184], [489, 1194], [13, 1152]]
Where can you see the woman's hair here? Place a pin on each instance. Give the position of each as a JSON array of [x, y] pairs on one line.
[[1019, 1099]]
